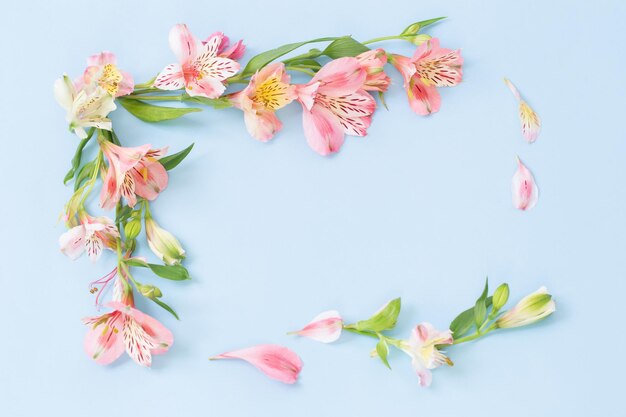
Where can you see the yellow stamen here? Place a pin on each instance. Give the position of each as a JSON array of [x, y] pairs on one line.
[[110, 79], [272, 94]]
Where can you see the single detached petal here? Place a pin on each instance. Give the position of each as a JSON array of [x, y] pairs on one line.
[[277, 362], [524, 188], [325, 327], [530, 121]]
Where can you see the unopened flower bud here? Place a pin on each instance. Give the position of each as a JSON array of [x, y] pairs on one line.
[[163, 243], [150, 291], [529, 310], [420, 39], [500, 296], [132, 228]]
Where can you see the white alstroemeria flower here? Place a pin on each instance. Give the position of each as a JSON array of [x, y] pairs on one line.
[[422, 348], [84, 110]]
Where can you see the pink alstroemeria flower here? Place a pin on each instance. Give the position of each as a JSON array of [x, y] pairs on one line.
[[531, 123], [335, 104], [524, 188], [268, 91], [102, 71], [373, 62], [422, 348], [277, 362], [224, 49], [201, 70], [92, 236], [125, 328], [326, 327], [132, 172], [429, 68]]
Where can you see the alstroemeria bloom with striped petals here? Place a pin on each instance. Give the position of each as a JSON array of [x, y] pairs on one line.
[[132, 172], [531, 123], [523, 187], [429, 68], [326, 327], [224, 48], [92, 236], [373, 62], [335, 104], [84, 109], [102, 71], [268, 91], [277, 362], [422, 348], [125, 329], [201, 71]]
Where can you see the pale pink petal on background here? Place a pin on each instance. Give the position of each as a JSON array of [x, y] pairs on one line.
[[423, 99], [530, 121], [127, 85], [340, 77], [424, 374], [103, 58], [150, 179], [104, 343], [183, 43], [326, 327], [262, 124], [524, 188], [72, 242], [322, 130], [277, 362], [405, 66]]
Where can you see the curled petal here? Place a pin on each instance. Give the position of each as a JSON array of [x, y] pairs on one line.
[[325, 327], [277, 362], [262, 124], [530, 121], [524, 188]]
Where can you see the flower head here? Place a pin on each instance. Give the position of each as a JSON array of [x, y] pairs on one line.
[[102, 71], [84, 109], [201, 70], [373, 62], [277, 362], [125, 328], [335, 104], [325, 327], [132, 172], [531, 309], [430, 67], [268, 91], [523, 187], [163, 244], [422, 348], [92, 236]]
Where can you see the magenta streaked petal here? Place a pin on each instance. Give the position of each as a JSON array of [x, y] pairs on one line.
[[524, 188]]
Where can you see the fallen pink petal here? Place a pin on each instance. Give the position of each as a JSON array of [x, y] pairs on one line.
[[277, 362], [531, 123], [524, 188], [326, 327]]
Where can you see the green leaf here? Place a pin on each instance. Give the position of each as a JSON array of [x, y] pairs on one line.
[[84, 174], [151, 113], [383, 319], [266, 57], [345, 46], [78, 156], [136, 262], [171, 161], [480, 308], [123, 214], [165, 307], [173, 272], [413, 28], [306, 63], [216, 103], [464, 321], [382, 349]]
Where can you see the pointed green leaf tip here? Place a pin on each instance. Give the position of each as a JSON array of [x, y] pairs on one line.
[[382, 349], [413, 28], [171, 161], [345, 46], [383, 319], [480, 309]]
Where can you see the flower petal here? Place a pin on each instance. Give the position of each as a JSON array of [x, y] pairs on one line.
[[326, 327], [530, 121], [424, 374], [103, 342], [72, 242], [150, 179], [219, 68], [423, 99], [262, 124], [277, 362], [206, 87], [182, 42], [171, 78], [103, 58], [322, 130], [161, 337], [137, 342], [340, 77], [524, 188]]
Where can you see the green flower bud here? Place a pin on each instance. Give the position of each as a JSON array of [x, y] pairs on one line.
[[420, 39], [132, 228], [412, 29], [500, 296], [150, 291], [529, 310], [163, 243]]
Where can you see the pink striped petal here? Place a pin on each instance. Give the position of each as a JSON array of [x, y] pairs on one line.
[[524, 188], [340, 77], [277, 362], [530, 121], [322, 130], [206, 87], [325, 327], [150, 179], [171, 78], [103, 342], [161, 337], [423, 99], [220, 68]]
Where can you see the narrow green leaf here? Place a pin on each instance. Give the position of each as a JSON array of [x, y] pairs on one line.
[[136, 262], [266, 57], [171, 161], [383, 319], [151, 113], [173, 272], [306, 63], [464, 321], [216, 103], [123, 214], [413, 28], [78, 156], [480, 308], [84, 174], [345, 46], [165, 307], [382, 349]]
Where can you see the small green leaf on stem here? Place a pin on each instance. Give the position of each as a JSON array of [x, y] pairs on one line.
[[165, 307], [382, 349], [171, 161], [383, 319], [216, 103], [77, 157], [344, 46], [151, 113], [172, 272], [464, 321]]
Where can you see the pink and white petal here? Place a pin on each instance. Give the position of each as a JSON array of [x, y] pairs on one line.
[[340, 77], [171, 78], [322, 130], [220, 68], [531, 123], [357, 104], [184, 44], [306, 93], [137, 342], [93, 246], [150, 180], [277, 362], [161, 336], [425, 375], [72, 242], [206, 87], [110, 192], [101, 59], [326, 327], [524, 188], [235, 52], [405, 66], [423, 99], [513, 89], [126, 86], [103, 342], [262, 124], [214, 44]]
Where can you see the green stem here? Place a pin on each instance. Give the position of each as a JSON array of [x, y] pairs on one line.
[[299, 69], [154, 98], [92, 180], [361, 332], [387, 38], [475, 335]]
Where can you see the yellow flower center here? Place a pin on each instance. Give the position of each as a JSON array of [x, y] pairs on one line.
[[110, 79], [272, 94]]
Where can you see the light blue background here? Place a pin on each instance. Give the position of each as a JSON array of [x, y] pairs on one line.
[[420, 208]]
